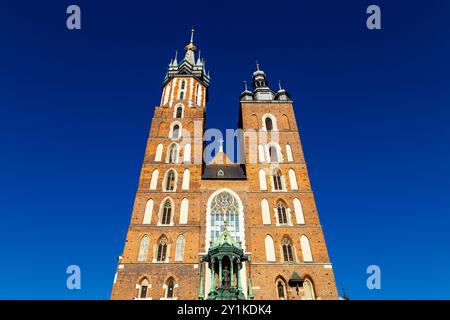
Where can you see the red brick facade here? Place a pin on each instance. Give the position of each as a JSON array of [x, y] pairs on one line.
[[155, 257]]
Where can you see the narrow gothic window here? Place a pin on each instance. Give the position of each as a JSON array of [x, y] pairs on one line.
[[179, 250], [144, 289], [181, 95], [170, 181], [309, 289], [273, 154], [269, 124], [179, 112], [143, 248], [173, 153], [166, 212], [170, 287], [281, 210], [280, 290], [183, 85], [176, 132], [287, 250], [277, 180], [162, 250]]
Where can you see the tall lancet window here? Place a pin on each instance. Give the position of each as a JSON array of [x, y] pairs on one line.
[[176, 131], [170, 181], [281, 211], [179, 113], [162, 250], [277, 180], [170, 288], [173, 153], [273, 154], [224, 206], [287, 250], [166, 213], [143, 248], [269, 124]]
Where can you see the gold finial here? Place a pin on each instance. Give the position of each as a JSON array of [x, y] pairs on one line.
[[191, 45], [225, 225]]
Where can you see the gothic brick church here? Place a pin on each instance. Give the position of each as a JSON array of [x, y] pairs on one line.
[[214, 229]]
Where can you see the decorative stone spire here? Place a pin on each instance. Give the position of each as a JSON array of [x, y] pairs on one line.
[[199, 61], [246, 94], [282, 94], [175, 63]]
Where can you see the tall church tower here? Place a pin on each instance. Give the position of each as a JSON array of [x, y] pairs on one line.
[[218, 229], [160, 259], [289, 258]]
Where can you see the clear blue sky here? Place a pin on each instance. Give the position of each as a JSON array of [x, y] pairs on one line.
[[372, 107]]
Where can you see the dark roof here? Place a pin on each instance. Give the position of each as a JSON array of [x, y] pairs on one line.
[[230, 172]]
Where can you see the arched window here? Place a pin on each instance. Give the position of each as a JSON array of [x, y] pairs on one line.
[[287, 250], [262, 180], [148, 212], [170, 288], [308, 288], [281, 290], [270, 249], [179, 112], [166, 213], [172, 153], [183, 84], [143, 289], [224, 206], [184, 209], [265, 211], [253, 121], [306, 249], [181, 95], [161, 255], [154, 180], [293, 179], [159, 150], [179, 250], [261, 153], [143, 248], [277, 180], [289, 153], [281, 213], [187, 153], [285, 121], [186, 178], [175, 131], [269, 124], [273, 154], [299, 211], [170, 181], [162, 131]]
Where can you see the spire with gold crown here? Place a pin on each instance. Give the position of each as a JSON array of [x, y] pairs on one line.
[[188, 66]]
